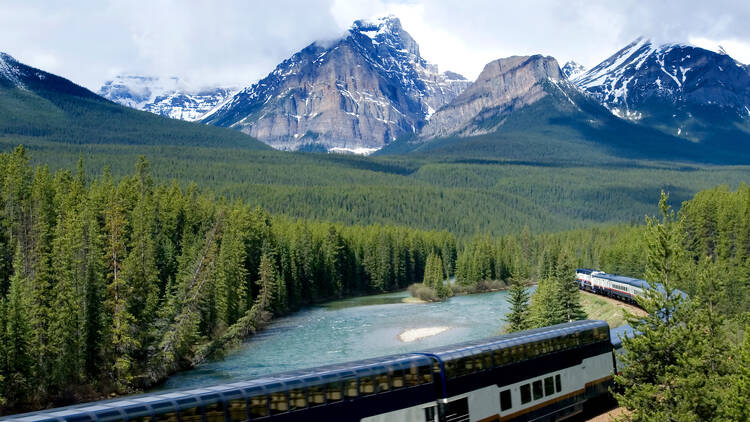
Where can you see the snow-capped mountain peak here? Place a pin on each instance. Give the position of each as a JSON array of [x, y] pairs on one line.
[[571, 70], [679, 88], [355, 93], [9, 69], [168, 96]]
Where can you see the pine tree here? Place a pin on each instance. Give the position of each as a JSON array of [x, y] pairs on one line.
[[518, 300], [651, 389], [546, 307], [18, 365], [122, 331], [569, 293]]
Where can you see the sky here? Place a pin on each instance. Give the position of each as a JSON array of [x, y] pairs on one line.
[[235, 42]]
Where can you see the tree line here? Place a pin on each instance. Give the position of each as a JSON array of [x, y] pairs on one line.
[[110, 286]]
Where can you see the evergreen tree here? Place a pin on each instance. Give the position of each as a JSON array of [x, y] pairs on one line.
[[18, 365], [652, 387], [569, 293], [518, 300], [546, 308]]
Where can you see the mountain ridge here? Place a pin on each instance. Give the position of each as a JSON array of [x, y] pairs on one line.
[[361, 91]]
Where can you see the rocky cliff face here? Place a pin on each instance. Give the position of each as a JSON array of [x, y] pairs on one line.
[[503, 86], [168, 97], [355, 94]]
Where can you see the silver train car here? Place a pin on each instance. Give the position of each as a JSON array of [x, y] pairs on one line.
[[626, 289]]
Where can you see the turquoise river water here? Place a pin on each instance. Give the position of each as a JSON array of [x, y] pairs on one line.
[[350, 329]]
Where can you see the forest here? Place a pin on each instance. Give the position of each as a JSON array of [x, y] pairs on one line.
[[108, 287], [108, 284]]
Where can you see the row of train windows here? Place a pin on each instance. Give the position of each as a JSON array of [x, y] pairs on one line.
[[488, 359], [300, 398], [539, 389]]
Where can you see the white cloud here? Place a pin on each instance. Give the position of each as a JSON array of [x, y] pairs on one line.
[[234, 42]]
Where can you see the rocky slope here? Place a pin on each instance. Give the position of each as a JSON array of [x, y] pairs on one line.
[[503, 86], [356, 93], [168, 97], [680, 89]]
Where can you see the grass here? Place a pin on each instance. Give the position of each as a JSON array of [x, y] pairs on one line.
[[610, 310]]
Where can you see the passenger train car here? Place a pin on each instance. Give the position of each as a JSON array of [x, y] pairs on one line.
[[545, 374], [617, 286]]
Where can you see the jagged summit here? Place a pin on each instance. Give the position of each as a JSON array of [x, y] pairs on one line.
[[357, 93], [170, 97], [504, 86], [571, 69]]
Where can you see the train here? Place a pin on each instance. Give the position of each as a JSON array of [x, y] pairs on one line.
[[625, 289], [544, 374]]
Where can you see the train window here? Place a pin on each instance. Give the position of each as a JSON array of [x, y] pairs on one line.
[[397, 379], [464, 366], [525, 393], [381, 382], [333, 392], [317, 395], [497, 356], [425, 374], [450, 368], [587, 337], [487, 360], [297, 399], [549, 386], [279, 403], [350, 388], [258, 407], [192, 414], [86, 418], [429, 414], [366, 386], [457, 410], [171, 417], [537, 387], [237, 410], [215, 412], [558, 383], [412, 376], [505, 400]]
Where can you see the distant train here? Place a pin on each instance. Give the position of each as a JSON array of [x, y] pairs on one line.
[[544, 374], [619, 287]]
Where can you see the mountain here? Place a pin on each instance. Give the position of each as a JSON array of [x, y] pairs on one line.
[[523, 109], [170, 97], [680, 89], [357, 93], [37, 106], [571, 69], [503, 86]]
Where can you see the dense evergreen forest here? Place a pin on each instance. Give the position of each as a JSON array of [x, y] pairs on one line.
[[108, 284], [108, 287], [462, 195]]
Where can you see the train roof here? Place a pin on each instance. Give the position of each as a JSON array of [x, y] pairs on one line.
[[584, 270], [514, 339], [617, 334], [635, 282], [168, 401]]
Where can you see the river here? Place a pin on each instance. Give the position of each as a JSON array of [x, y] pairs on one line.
[[350, 329]]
